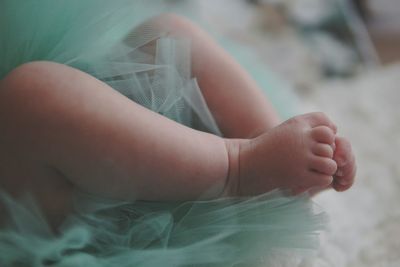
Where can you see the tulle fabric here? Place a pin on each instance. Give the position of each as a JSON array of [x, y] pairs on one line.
[[223, 232], [107, 40]]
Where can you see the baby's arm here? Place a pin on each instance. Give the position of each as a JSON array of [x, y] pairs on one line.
[[238, 105]]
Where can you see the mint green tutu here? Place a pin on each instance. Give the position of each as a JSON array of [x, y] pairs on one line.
[[106, 39]]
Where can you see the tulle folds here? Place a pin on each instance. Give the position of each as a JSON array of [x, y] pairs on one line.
[[223, 232], [108, 40]]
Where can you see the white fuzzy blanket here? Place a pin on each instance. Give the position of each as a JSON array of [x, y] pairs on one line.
[[365, 221]]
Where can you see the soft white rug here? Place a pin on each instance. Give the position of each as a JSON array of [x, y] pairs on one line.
[[365, 221]]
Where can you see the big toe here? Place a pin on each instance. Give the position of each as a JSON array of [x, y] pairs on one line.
[[344, 157]]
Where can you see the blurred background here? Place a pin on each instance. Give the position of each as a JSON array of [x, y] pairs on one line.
[[341, 57]]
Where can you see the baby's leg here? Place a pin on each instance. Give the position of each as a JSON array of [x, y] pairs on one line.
[[63, 128], [239, 107]]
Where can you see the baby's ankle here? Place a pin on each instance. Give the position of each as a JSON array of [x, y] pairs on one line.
[[232, 184]]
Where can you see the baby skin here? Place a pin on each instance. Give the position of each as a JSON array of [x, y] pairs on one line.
[[304, 152], [63, 129]]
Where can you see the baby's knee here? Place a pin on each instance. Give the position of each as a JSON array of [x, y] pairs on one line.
[[33, 82], [175, 25], [28, 76], [31, 90]]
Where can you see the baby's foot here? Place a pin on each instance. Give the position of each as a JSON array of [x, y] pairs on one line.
[[345, 160], [297, 155]]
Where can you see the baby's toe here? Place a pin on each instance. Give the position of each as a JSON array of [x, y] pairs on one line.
[[323, 165], [323, 134], [344, 177], [317, 180], [322, 150], [346, 180], [343, 152]]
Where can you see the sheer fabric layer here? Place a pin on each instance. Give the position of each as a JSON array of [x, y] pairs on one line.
[[106, 40]]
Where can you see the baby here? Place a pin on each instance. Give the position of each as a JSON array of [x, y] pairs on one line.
[[62, 129]]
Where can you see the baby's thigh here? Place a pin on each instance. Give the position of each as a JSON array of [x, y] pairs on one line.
[[29, 96], [36, 100], [167, 24], [22, 176]]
